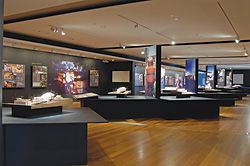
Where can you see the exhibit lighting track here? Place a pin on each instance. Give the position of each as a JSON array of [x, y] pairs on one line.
[[55, 43], [180, 44], [44, 14]]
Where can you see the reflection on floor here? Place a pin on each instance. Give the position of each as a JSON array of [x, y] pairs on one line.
[[174, 142]]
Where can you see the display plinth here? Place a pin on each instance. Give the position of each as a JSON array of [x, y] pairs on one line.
[[183, 95], [24, 111], [121, 95]]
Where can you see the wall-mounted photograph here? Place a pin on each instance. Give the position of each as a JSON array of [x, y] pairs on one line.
[[39, 76], [139, 79], [94, 78], [13, 75], [70, 77]]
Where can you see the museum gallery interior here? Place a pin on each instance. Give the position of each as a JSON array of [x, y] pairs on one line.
[[125, 82]]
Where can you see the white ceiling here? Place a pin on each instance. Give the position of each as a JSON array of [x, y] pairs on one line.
[[12, 7], [160, 21]]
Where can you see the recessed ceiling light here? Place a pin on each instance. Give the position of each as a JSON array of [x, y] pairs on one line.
[[173, 42], [142, 52], [246, 54], [237, 41]]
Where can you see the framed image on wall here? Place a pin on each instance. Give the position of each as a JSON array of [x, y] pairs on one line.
[[139, 79], [39, 76], [13, 75], [94, 78]]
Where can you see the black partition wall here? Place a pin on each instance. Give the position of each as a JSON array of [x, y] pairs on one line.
[[1, 55], [51, 60]]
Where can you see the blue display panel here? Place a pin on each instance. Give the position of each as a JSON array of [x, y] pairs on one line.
[[191, 75], [201, 79], [210, 78]]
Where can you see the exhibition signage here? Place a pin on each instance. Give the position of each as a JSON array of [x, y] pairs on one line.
[[150, 71], [210, 77], [191, 75], [221, 77]]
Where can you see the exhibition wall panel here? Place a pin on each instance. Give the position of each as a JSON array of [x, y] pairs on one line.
[[246, 76], [67, 75], [1, 56], [139, 78]]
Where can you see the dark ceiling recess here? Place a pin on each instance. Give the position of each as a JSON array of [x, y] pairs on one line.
[[49, 13], [34, 39]]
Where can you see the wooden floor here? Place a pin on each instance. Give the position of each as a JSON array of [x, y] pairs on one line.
[[154, 142]]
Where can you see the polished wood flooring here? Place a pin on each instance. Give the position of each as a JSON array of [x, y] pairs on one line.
[[159, 142]]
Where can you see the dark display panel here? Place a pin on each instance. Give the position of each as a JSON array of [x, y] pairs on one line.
[[221, 77], [210, 77], [191, 75], [201, 79]]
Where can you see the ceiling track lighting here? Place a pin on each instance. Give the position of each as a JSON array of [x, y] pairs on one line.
[[136, 25], [173, 43], [56, 29], [123, 46]]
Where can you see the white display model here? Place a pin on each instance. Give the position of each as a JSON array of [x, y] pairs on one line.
[[46, 100], [85, 95], [121, 90]]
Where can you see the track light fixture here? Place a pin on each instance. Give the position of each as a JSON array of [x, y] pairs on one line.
[[237, 40], [56, 29], [62, 32], [136, 25], [123, 46]]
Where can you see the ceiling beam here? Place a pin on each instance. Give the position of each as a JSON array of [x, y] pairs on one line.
[[214, 57], [55, 43], [49, 13], [180, 44]]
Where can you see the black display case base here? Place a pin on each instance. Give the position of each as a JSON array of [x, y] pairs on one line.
[[121, 95], [29, 112], [183, 95]]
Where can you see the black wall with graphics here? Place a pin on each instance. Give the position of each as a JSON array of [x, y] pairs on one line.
[[246, 77], [30, 57]]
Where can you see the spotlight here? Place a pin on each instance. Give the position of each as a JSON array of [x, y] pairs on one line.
[[142, 52], [123, 46], [63, 33], [246, 54], [237, 41], [173, 42]]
